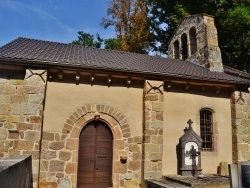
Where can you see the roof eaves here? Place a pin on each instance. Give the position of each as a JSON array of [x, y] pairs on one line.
[[27, 62]]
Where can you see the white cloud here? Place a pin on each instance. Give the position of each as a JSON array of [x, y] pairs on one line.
[[24, 8]]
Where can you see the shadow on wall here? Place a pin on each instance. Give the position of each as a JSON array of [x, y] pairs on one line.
[[16, 172]]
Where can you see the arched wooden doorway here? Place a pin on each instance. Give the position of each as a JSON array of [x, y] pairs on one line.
[[95, 156]]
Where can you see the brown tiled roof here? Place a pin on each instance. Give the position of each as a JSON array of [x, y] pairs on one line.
[[30, 51]]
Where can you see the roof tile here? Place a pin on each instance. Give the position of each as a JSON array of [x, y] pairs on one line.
[[62, 54]]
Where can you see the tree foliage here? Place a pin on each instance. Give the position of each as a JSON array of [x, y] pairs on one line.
[[235, 37], [111, 43], [165, 15], [86, 39], [144, 24], [129, 17]]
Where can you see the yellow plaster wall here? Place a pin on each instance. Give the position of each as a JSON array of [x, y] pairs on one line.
[[63, 98], [178, 109]]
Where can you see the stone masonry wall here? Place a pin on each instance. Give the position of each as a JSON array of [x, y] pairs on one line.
[[59, 154], [240, 105], [21, 111], [208, 53], [153, 129]]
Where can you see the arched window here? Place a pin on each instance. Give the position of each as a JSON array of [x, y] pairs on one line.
[[206, 130], [184, 47], [193, 40], [176, 50]]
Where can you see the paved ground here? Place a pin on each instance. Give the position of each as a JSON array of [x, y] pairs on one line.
[[163, 183], [208, 181]]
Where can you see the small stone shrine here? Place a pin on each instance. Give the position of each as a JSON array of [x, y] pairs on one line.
[[189, 147]]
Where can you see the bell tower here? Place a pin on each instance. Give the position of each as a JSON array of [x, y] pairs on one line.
[[195, 40]]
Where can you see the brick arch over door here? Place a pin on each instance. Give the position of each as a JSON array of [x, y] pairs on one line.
[[119, 126]]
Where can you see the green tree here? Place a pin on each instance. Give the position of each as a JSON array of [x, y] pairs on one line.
[[235, 37], [111, 44], [86, 39], [165, 15]]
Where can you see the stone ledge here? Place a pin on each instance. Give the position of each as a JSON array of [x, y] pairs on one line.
[[207, 181], [162, 183]]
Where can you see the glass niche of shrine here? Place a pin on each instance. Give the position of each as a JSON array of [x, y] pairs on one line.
[[188, 152]]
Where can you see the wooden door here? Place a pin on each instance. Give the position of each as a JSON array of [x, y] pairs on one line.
[[95, 156]]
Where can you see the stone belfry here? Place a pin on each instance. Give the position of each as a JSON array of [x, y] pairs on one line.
[[195, 40]]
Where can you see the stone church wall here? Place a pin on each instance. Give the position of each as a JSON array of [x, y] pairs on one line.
[[146, 121], [240, 105], [68, 108], [21, 113], [61, 101], [153, 129], [180, 105]]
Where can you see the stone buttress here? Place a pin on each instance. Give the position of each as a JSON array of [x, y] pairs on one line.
[[240, 105], [153, 129], [21, 113]]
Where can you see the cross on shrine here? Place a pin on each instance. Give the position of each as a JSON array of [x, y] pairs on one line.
[[190, 146], [192, 153], [190, 124]]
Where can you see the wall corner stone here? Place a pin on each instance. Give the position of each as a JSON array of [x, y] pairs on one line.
[[21, 104], [240, 102], [153, 122]]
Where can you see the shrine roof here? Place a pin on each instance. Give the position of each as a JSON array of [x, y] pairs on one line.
[[31, 52]]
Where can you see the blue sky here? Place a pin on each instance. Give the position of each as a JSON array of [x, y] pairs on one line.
[[53, 20]]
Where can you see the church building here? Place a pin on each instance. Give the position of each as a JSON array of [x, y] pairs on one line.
[[101, 118]]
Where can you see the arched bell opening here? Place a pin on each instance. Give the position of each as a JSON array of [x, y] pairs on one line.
[[184, 46], [193, 40], [176, 50]]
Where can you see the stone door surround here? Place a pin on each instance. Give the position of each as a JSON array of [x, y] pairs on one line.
[[80, 117]]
